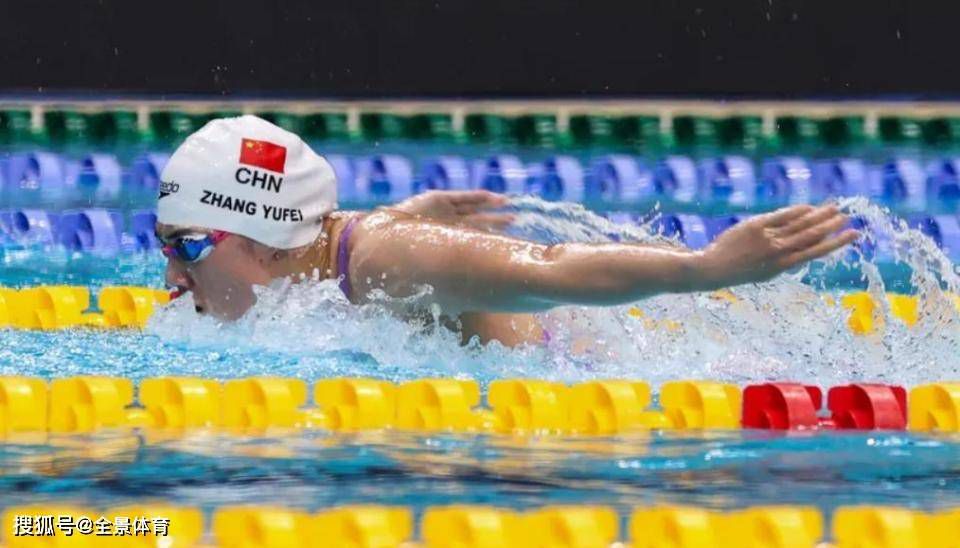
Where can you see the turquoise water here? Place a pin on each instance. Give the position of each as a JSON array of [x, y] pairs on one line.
[[311, 471], [779, 331]]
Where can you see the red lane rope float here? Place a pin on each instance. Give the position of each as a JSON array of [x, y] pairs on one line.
[[859, 406]]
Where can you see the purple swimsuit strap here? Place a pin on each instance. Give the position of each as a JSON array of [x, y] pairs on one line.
[[343, 257]]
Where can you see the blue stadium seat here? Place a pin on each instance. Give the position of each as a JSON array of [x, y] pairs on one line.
[[91, 230], [33, 226], [901, 181], [943, 181], [141, 229], [618, 178], [100, 173], [691, 229], [557, 178], [676, 177], [717, 225], [35, 170], [729, 180], [841, 177], [942, 229], [788, 179], [343, 169], [146, 169], [504, 173], [384, 178], [444, 173], [6, 225]]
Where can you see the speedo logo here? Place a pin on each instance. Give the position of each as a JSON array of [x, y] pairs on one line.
[[167, 188]]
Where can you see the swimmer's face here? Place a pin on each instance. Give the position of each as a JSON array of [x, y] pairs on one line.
[[222, 282]]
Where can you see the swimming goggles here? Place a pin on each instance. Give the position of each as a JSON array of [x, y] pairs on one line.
[[193, 248]]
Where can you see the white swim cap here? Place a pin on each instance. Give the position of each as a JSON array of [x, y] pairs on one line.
[[249, 177]]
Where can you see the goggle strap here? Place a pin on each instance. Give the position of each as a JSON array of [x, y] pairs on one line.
[[218, 236]]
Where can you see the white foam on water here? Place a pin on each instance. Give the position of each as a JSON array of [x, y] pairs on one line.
[[314, 318], [780, 330]]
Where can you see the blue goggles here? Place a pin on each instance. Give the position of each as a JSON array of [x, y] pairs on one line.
[[193, 248]]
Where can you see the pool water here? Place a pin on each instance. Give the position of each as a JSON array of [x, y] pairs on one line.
[[782, 330], [717, 470]]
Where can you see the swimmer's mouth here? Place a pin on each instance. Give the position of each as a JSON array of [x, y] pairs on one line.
[[177, 292]]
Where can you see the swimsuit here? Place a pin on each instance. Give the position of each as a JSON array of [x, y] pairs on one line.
[[343, 257]]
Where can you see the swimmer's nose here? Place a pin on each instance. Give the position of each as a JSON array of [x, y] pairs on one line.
[[176, 276]]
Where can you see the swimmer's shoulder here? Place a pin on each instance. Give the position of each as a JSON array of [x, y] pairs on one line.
[[370, 250], [366, 225], [375, 223]]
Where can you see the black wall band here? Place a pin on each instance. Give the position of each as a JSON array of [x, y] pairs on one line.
[[467, 48]]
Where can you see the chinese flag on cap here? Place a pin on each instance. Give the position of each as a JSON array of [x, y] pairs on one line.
[[263, 154]]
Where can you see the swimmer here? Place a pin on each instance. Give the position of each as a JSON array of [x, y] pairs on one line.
[[243, 202]]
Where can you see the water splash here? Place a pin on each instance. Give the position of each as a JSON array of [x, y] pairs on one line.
[[314, 319], [783, 329]]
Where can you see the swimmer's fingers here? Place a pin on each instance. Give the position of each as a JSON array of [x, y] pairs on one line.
[[450, 204], [470, 201], [813, 218], [488, 221], [472, 208], [823, 248], [814, 231], [784, 215]]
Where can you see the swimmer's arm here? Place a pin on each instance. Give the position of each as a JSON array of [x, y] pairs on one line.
[[474, 271], [481, 272]]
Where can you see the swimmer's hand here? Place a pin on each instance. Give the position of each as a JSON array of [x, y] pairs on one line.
[[761, 247], [470, 208]]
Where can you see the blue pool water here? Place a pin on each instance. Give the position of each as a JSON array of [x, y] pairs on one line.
[[780, 330], [715, 470]]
